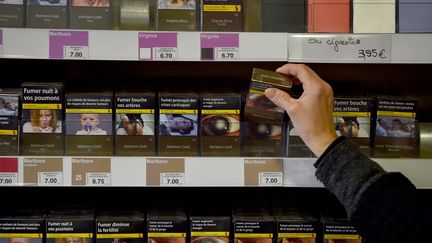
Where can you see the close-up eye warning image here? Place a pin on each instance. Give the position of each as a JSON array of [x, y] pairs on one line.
[[221, 125]]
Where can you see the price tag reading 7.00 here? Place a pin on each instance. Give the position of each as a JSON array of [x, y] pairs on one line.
[[366, 54], [50, 178], [270, 179], [98, 179], [8, 179], [172, 179], [76, 52]]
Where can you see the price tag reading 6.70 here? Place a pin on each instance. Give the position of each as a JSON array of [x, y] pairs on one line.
[[227, 53], [366, 54], [165, 53]]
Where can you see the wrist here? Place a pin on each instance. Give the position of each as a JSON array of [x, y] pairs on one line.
[[321, 142]]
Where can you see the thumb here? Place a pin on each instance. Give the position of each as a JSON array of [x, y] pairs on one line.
[[279, 97]]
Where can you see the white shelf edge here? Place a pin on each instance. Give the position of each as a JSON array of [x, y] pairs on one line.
[[254, 46], [229, 171]]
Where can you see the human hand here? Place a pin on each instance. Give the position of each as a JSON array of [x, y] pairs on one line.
[[312, 113]]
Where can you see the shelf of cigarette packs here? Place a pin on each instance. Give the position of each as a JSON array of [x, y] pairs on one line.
[[214, 46], [88, 215], [240, 169], [264, 161]]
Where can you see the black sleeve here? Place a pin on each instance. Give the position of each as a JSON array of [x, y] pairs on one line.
[[383, 205]]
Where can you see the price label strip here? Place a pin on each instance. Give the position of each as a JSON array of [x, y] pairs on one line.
[[98, 179], [72, 45], [341, 48], [270, 179], [157, 46], [172, 179], [8, 179], [50, 178], [220, 47]]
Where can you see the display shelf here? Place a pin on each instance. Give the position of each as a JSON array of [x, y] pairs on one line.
[[412, 48], [243, 46], [301, 172], [188, 172], [126, 45]]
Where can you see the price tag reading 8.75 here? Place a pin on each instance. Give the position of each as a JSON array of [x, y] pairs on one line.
[[172, 179], [165, 53], [8, 179], [50, 178], [76, 52], [98, 179], [270, 179], [227, 53]]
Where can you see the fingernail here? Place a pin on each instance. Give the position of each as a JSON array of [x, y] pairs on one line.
[[270, 93]]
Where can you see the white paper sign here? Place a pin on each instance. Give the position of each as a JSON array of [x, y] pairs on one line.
[[76, 52], [270, 179], [98, 179], [340, 48], [8, 179], [50, 178], [172, 179]]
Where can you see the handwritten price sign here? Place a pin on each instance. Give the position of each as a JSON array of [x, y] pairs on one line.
[[341, 48], [365, 54]]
